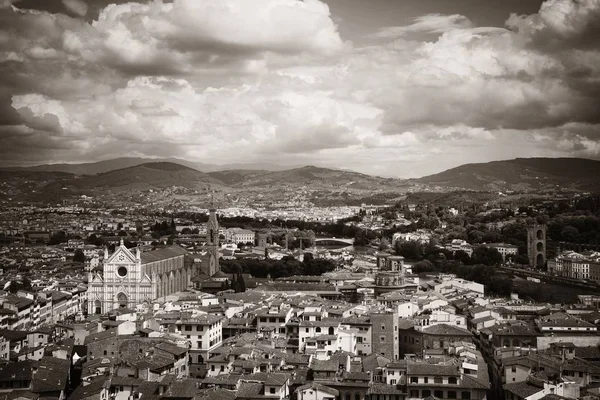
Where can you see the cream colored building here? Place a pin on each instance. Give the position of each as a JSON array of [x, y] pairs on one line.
[[131, 277]]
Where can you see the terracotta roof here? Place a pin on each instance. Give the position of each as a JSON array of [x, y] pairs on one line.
[[445, 329], [18, 371], [426, 369], [249, 390], [95, 387], [522, 389], [162, 254], [318, 387], [51, 375]]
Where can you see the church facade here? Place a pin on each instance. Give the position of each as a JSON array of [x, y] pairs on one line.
[[129, 278]]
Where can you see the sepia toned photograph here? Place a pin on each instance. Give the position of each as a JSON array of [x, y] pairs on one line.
[[299, 200]]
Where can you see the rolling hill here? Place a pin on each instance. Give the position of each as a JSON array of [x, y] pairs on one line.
[[312, 176], [100, 167], [521, 174], [154, 175]]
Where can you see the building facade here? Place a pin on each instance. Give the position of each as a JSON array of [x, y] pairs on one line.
[[237, 235], [130, 278]]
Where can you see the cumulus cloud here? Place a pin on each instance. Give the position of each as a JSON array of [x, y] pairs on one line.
[[431, 23], [561, 24], [272, 80], [185, 35], [77, 7]]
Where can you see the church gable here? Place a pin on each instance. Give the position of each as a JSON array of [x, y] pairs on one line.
[[97, 278], [121, 256]]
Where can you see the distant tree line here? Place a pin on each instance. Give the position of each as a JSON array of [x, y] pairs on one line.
[[287, 266]]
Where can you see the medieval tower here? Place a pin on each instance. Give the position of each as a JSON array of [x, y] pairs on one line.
[[536, 245], [212, 243]]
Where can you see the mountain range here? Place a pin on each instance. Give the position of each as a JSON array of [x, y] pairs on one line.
[[521, 174], [99, 167], [138, 174]]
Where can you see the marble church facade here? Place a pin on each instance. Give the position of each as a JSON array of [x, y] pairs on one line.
[[131, 277]]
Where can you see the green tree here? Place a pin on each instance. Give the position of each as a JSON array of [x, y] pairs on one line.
[[410, 250], [240, 284], [569, 234], [423, 266], [486, 256], [58, 238], [79, 256]]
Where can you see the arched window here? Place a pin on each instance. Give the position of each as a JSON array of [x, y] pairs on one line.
[[318, 330], [348, 397], [97, 307], [331, 331], [356, 396]]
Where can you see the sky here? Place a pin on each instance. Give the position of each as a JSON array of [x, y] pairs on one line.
[[395, 88]]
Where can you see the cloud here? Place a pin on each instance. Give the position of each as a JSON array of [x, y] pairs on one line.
[[280, 85], [187, 35], [561, 24], [77, 7], [431, 23]]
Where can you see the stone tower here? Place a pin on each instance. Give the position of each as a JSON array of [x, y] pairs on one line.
[[536, 245], [212, 243]]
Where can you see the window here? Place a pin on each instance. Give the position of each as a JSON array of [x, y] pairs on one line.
[[452, 380], [437, 379], [451, 394], [426, 393], [222, 368], [439, 394], [105, 352], [272, 390], [212, 368], [382, 339], [425, 380], [465, 395], [414, 393], [392, 382], [513, 369], [188, 327], [382, 327], [306, 330], [414, 379]]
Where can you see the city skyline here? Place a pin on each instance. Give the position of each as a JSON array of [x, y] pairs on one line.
[[387, 88]]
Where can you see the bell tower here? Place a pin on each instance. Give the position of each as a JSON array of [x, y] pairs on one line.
[[212, 242]]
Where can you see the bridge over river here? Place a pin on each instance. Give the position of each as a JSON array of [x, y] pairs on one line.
[[334, 242]]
